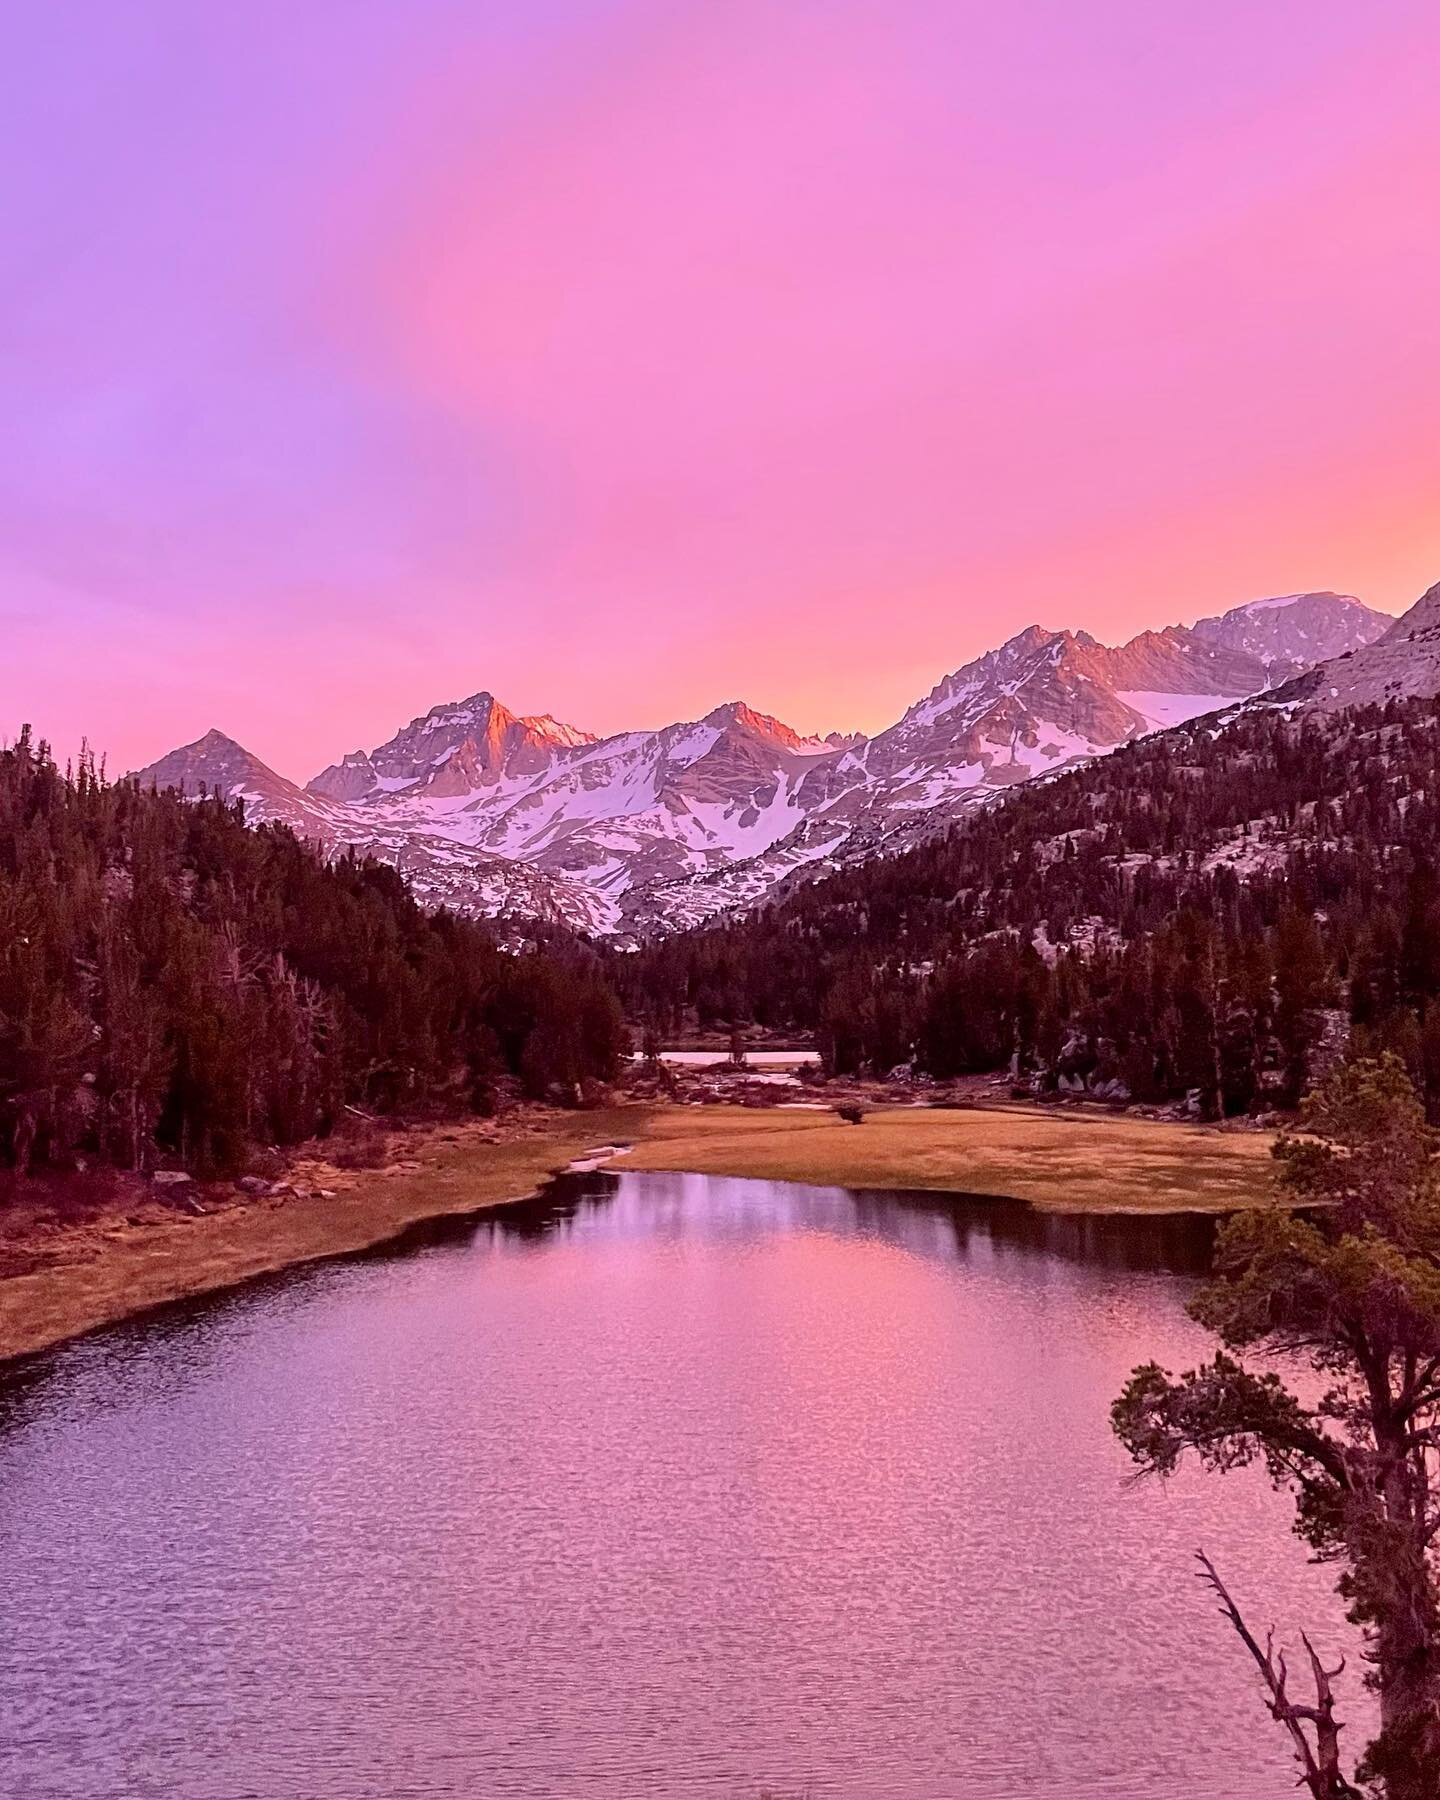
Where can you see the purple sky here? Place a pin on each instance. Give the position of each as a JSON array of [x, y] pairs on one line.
[[623, 359]]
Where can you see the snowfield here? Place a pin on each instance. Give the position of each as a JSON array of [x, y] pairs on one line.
[[494, 814]]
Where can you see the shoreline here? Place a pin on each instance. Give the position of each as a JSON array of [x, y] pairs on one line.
[[112, 1268], [147, 1255]]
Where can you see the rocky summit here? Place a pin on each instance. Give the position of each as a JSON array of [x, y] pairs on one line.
[[491, 813]]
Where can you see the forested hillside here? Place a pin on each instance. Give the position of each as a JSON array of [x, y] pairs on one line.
[[1196, 912], [1205, 912], [176, 984]]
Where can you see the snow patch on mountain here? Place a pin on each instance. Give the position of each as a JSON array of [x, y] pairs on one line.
[[1160, 711], [490, 812]]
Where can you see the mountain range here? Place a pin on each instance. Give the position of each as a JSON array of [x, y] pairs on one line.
[[491, 813]]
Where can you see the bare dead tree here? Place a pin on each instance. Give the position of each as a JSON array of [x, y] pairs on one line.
[[1319, 1760]]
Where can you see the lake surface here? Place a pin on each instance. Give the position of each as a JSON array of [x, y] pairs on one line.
[[667, 1486], [720, 1059]]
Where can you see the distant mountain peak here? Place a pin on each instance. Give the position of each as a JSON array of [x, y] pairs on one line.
[[738, 713], [1400, 661], [215, 744], [215, 763], [481, 807], [459, 745], [1033, 637], [1289, 633]]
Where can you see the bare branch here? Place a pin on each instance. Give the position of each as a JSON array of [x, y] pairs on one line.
[[1320, 1761]]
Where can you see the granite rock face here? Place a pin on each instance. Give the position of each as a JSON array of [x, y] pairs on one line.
[[489, 812]]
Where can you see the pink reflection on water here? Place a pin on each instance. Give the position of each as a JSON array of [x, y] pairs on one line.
[[711, 1487]]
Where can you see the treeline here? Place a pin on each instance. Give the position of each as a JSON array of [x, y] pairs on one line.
[[1203, 913], [177, 985]]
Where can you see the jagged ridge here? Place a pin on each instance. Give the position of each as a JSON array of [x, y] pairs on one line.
[[488, 811]]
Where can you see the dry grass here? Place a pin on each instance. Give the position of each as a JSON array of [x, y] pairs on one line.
[[1066, 1162], [93, 1270], [112, 1268]]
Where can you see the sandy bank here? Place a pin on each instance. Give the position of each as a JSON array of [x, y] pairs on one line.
[[123, 1264]]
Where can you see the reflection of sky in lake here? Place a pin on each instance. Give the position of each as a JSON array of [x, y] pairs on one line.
[[665, 1485]]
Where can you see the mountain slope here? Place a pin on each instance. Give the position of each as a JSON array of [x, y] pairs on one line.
[[1401, 664], [452, 750], [1294, 632], [217, 764], [486, 810], [441, 873], [1201, 917], [1044, 701]]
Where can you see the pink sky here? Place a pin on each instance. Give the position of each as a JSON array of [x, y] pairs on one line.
[[626, 358]]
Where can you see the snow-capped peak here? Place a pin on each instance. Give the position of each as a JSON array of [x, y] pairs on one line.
[[737, 713], [669, 826]]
